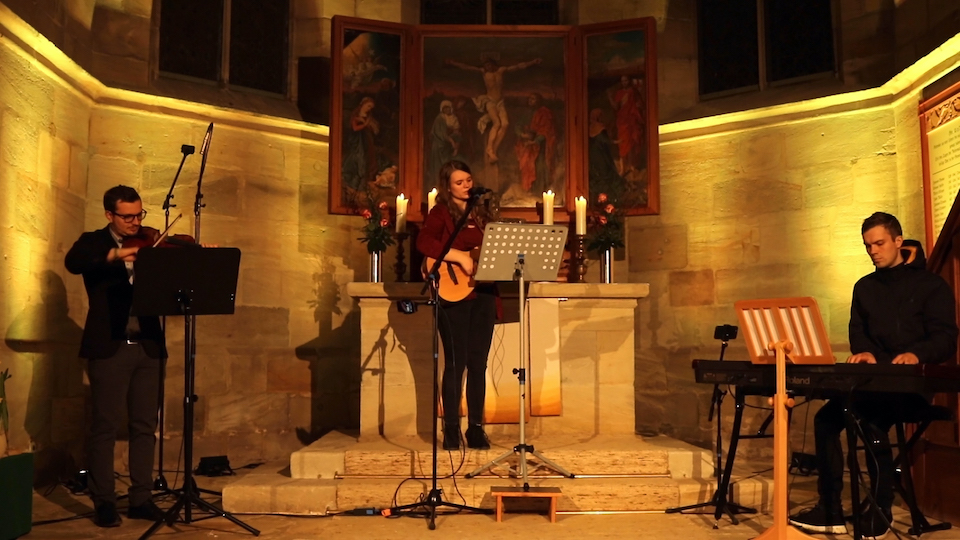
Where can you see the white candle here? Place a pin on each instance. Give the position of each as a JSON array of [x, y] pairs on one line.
[[548, 207], [402, 213], [431, 199], [581, 215]]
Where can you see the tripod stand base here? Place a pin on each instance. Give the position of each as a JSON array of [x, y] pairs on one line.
[[720, 508], [429, 507], [185, 500], [522, 450]]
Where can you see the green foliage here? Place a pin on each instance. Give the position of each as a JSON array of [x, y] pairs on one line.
[[605, 224], [377, 232]]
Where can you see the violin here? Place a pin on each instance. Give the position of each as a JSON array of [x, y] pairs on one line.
[[150, 237]]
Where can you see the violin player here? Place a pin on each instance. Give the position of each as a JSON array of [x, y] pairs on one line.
[[124, 355]]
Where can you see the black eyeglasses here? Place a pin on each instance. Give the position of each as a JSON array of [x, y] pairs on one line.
[[128, 218]]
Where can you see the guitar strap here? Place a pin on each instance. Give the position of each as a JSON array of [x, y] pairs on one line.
[[453, 275]]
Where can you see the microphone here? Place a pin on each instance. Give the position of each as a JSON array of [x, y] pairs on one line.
[[187, 149], [479, 191], [206, 140]]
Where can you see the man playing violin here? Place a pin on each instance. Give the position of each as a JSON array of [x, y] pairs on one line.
[[124, 356]]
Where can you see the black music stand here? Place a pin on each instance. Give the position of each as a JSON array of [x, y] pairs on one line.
[[719, 500], [187, 282]]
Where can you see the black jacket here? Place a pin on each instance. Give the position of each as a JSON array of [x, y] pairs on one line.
[[110, 294], [904, 309]]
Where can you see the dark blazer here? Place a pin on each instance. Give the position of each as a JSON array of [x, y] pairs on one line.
[[110, 294]]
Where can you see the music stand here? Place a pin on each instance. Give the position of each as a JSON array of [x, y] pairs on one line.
[[516, 252], [774, 329], [189, 282]]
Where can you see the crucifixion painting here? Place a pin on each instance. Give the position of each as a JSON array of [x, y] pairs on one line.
[[507, 124]]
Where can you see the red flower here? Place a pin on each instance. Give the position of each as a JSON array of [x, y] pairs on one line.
[[602, 198], [384, 222], [382, 205], [609, 209], [365, 214], [603, 220]]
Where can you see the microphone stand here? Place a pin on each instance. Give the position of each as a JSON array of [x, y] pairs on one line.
[[720, 500], [434, 499], [160, 484], [197, 206], [188, 495]]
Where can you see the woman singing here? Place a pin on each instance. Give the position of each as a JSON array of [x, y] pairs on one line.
[[466, 326]]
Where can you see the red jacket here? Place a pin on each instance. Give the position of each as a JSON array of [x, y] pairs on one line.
[[437, 229]]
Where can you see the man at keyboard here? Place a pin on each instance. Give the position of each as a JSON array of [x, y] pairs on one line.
[[901, 314]]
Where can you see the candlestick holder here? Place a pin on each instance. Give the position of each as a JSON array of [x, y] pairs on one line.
[[578, 266], [401, 267]]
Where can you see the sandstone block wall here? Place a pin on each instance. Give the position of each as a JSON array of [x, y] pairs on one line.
[[112, 39], [773, 210], [272, 376], [767, 207]]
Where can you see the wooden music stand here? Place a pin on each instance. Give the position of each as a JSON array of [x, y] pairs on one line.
[[771, 328]]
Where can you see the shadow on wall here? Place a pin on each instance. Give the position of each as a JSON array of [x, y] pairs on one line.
[[419, 353], [335, 380], [46, 341]]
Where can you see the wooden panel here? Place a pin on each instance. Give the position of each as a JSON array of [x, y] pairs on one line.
[[936, 463]]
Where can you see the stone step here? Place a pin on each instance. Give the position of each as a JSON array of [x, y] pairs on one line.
[[337, 455], [272, 491], [579, 494]]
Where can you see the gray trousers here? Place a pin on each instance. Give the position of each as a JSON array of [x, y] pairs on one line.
[[123, 386]]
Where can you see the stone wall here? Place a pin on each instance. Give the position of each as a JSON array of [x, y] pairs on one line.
[[875, 39], [753, 205], [763, 206], [922, 26], [44, 145], [277, 372], [270, 378]]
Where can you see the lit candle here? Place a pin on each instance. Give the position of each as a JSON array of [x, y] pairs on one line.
[[548, 207], [402, 213], [581, 215], [431, 199]]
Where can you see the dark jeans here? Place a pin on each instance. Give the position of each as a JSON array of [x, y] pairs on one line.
[[127, 382], [877, 412], [466, 329]]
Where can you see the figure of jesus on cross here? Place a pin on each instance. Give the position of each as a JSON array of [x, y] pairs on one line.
[[491, 103]]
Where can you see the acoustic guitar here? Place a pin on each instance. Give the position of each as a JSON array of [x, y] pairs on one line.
[[454, 284]]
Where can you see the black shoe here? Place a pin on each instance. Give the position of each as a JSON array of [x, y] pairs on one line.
[[875, 523], [476, 438], [451, 437], [820, 520], [147, 510], [106, 515]]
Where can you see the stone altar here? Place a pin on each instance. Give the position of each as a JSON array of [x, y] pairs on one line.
[[595, 349]]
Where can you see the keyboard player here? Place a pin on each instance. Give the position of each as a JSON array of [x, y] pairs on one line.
[[901, 314]]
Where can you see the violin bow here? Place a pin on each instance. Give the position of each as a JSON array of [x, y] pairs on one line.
[[167, 230]]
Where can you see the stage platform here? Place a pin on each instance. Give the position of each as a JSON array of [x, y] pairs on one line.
[[339, 473]]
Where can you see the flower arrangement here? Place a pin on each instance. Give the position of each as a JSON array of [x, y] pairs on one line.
[[377, 233], [605, 223]]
